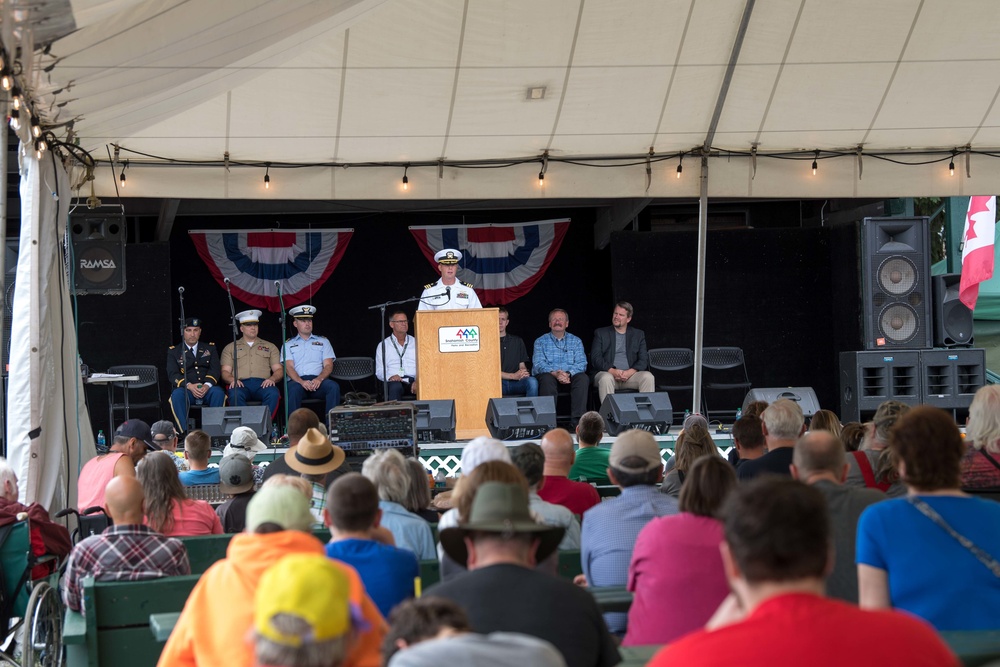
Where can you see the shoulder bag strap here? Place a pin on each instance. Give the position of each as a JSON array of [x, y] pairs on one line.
[[990, 458], [866, 471], [983, 557]]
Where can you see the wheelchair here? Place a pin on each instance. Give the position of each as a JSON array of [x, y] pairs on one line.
[[35, 602]]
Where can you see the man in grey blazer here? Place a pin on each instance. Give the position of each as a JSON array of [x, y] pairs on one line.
[[619, 357]]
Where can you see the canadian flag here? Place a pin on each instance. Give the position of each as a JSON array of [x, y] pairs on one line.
[[977, 247]]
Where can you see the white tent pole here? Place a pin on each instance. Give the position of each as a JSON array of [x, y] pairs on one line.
[[699, 294], [3, 271]]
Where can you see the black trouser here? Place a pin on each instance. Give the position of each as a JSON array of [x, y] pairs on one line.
[[579, 385]]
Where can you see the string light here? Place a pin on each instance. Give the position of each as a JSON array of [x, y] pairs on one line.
[[814, 165], [267, 177], [15, 119], [121, 179], [16, 98], [40, 147], [406, 181], [36, 127], [545, 167], [951, 165], [6, 78], [680, 166]]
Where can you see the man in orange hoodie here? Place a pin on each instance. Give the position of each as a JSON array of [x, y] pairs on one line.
[[213, 628]]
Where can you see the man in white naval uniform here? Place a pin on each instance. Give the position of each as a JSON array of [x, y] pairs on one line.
[[448, 293]]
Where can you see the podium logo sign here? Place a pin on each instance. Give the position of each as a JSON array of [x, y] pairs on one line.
[[458, 339]]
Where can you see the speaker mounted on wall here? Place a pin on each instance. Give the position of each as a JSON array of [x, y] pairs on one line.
[[952, 318], [521, 418], [98, 246], [646, 411], [896, 290]]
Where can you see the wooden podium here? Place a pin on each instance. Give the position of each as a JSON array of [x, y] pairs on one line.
[[458, 357]]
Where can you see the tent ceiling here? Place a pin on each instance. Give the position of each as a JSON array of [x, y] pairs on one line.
[[355, 81]]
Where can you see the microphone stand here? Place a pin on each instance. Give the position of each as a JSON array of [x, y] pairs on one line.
[[236, 373], [187, 394], [382, 307], [284, 361]]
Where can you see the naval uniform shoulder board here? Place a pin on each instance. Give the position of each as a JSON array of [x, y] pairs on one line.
[[429, 285], [466, 284], [171, 347]]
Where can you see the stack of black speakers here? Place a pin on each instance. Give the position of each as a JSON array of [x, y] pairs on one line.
[[916, 333]]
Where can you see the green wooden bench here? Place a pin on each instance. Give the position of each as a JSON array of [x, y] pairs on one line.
[[114, 630], [569, 564], [205, 550], [611, 598], [430, 573]]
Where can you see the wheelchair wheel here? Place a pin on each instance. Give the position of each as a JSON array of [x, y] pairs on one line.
[[43, 646]]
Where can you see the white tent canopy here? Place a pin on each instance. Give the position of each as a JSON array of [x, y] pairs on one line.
[[363, 81]]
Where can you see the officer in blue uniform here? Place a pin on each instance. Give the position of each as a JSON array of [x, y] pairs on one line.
[[193, 371], [309, 363]]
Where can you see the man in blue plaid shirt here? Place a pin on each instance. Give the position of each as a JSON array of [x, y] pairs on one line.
[[126, 551], [559, 358]]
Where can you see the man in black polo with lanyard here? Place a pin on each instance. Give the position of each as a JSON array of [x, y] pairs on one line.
[[396, 358], [193, 371]]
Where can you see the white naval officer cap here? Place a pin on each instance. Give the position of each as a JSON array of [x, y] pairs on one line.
[[248, 316], [302, 312], [447, 256]]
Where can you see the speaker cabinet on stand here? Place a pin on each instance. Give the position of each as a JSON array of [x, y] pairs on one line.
[[869, 378], [98, 248], [896, 288]]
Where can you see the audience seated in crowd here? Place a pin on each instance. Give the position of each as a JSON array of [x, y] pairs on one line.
[[236, 479], [390, 473], [530, 460], [433, 631], [578, 497], [125, 551], [820, 461], [131, 442], [219, 612], [352, 514], [313, 458], [691, 445], [676, 574], [755, 409], [826, 420], [299, 422], [197, 452], [502, 542], [693, 419], [610, 528], [418, 500], [873, 465], [476, 451], [981, 462], [165, 437], [851, 435], [243, 440], [748, 440], [304, 615], [782, 424], [934, 552], [168, 509], [591, 462], [47, 538], [776, 552]]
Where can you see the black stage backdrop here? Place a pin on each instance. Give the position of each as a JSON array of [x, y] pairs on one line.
[[768, 291]]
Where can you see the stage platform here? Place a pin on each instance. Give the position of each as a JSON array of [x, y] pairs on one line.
[[447, 456]]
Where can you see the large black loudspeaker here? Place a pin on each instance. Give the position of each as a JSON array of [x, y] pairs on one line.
[[521, 418], [947, 379], [804, 396], [98, 254], [951, 378], [219, 423], [952, 318], [896, 289], [649, 412], [435, 420]]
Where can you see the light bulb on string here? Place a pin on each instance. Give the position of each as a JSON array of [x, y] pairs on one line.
[[40, 146], [15, 119], [267, 176], [814, 165], [680, 166], [406, 181], [16, 98], [6, 79], [951, 165], [121, 179], [36, 127]]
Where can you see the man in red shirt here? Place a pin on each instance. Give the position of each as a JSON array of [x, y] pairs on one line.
[[776, 555], [556, 486]]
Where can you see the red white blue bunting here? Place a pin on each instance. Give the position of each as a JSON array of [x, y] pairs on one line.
[[503, 262], [301, 260]]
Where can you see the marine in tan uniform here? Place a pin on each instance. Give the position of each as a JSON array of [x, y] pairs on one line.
[[257, 362]]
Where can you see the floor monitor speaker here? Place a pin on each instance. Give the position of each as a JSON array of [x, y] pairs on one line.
[[219, 423], [804, 396], [521, 418], [435, 420], [646, 411]]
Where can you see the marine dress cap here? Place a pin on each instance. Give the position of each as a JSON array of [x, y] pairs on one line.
[[448, 256], [249, 316]]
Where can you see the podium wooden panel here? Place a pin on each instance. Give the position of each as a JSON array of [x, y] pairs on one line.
[[470, 378]]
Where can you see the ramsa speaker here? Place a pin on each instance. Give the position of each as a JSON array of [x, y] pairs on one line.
[[435, 420], [649, 412], [896, 289], [219, 423], [952, 318], [98, 254], [524, 418], [804, 396]]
